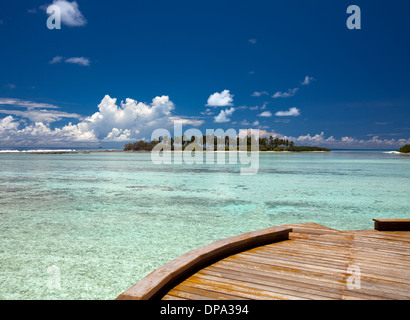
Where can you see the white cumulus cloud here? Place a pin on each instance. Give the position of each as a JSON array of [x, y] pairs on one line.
[[220, 99], [70, 13], [116, 122], [8, 124], [307, 81], [56, 59], [25, 104], [41, 115], [224, 115], [81, 61], [346, 142], [265, 114], [292, 112], [35, 112], [289, 93], [259, 93], [40, 134], [132, 115]]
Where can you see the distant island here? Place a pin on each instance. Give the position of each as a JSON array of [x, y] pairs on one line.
[[265, 144], [405, 149]]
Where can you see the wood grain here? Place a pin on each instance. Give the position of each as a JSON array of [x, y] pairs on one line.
[[292, 262], [312, 265]]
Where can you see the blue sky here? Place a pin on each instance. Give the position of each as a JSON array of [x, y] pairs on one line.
[[118, 70]]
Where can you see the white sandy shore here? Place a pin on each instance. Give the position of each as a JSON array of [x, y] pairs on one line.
[[40, 151], [396, 152]]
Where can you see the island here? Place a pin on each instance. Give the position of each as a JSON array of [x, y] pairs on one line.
[[265, 144], [405, 149]]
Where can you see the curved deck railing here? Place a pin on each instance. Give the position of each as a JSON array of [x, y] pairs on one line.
[[160, 281]]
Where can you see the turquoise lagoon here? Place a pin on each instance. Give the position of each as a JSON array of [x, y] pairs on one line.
[[106, 220]]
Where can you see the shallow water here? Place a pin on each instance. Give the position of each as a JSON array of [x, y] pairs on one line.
[[105, 220]]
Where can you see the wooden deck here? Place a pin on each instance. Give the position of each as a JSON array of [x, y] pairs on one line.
[[306, 261]]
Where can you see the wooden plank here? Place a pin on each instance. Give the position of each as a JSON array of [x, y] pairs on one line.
[[318, 250], [341, 244], [298, 289], [255, 292], [392, 224], [305, 249], [399, 236], [277, 273], [192, 293], [172, 297], [212, 292], [307, 273], [371, 291], [301, 283], [311, 228], [305, 259], [398, 273], [325, 269], [302, 289], [376, 266], [392, 291], [353, 253]]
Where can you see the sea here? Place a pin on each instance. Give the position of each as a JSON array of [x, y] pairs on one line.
[[88, 225]]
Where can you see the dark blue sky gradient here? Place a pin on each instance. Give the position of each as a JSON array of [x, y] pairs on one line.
[[189, 50]]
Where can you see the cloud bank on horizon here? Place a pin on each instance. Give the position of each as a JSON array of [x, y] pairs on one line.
[[127, 121], [130, 120]]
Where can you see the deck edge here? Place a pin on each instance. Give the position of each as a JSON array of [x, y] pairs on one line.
[[392, 224], [152, 286]]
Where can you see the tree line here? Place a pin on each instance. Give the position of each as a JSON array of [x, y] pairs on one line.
[[405, 149], [221, 143]]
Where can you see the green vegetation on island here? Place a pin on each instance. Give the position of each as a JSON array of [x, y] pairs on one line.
[[405, 149], [140, 146], [265, 144], [308, 149]]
